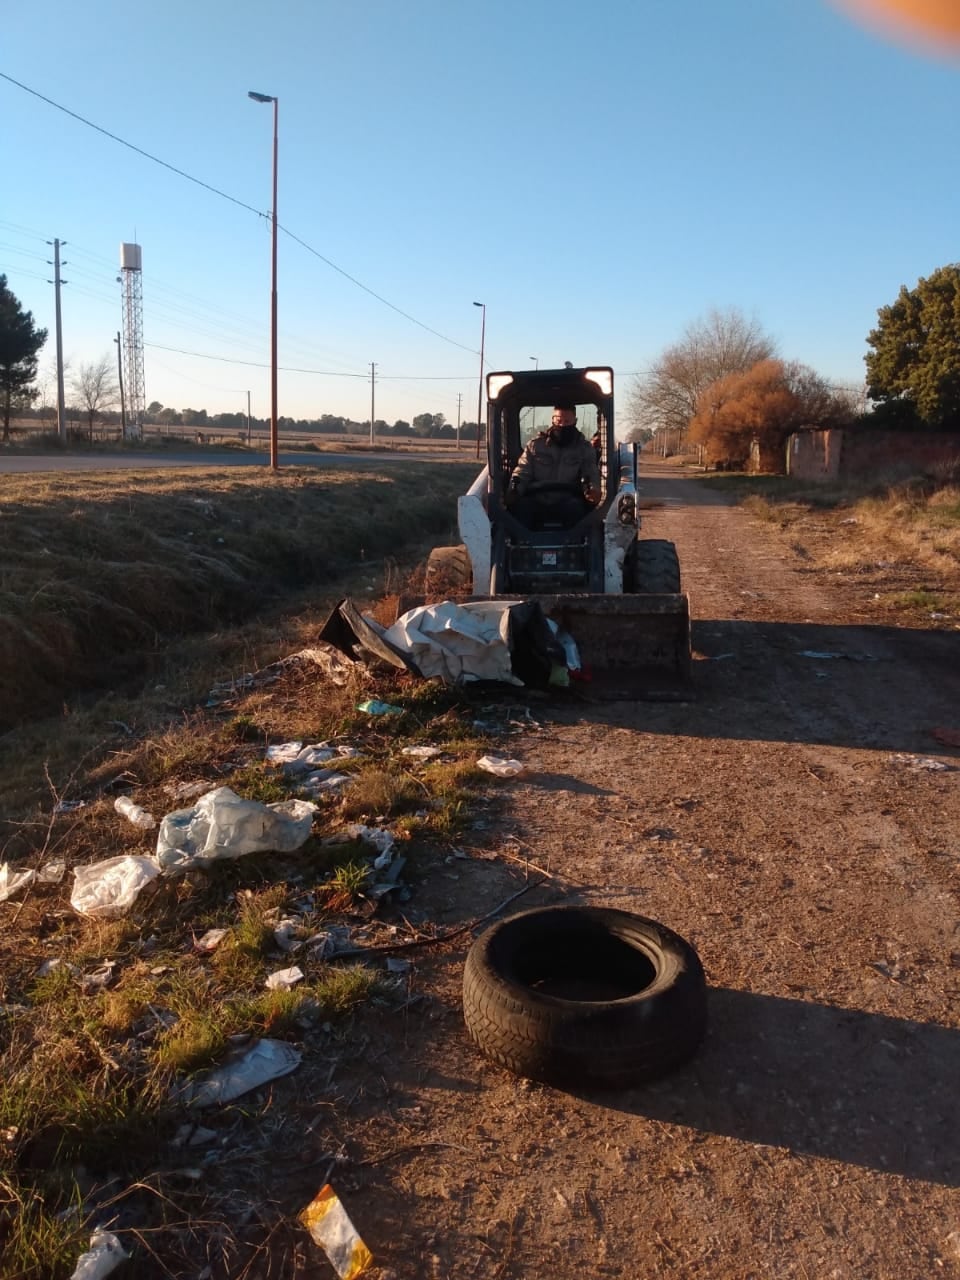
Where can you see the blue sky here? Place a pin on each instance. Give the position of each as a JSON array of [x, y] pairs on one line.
[[599, 175]]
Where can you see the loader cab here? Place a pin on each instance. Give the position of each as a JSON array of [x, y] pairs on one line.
[[550, 553]]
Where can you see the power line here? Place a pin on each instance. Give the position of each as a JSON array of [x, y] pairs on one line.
[[233, 200], [254, 364]]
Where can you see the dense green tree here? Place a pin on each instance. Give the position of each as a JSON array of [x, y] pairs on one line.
[[913, 367], [20, 342]]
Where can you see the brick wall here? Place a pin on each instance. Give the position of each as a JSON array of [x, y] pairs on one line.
[[833, 455]]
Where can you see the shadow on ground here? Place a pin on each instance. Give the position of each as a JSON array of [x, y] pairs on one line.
[[878, 1092]]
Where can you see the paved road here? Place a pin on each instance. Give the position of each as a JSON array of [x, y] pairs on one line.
[[31, 463]]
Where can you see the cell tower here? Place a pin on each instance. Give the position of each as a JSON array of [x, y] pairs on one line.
[[131, 281]]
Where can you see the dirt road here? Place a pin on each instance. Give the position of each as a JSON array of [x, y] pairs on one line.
[[817, 1132]]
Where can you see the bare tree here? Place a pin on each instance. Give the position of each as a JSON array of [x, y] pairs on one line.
[[95, 388], [721, 343]]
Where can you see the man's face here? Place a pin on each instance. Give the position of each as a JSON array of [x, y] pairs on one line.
[[563, 418]]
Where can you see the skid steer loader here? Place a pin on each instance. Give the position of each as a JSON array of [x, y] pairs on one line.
[[617, 594]]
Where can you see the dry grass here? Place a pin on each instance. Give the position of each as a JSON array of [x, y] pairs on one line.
[[899, 533], [97, 572]]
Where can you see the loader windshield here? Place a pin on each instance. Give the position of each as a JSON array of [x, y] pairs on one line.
[[536, 418]]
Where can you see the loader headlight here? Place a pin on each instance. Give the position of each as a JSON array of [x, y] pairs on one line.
[[627, 508]]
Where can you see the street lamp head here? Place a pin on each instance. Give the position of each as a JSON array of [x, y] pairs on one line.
[[260, 97], [479, 304]]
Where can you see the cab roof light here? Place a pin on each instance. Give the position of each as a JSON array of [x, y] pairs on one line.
[[496, 382], [603, 378]]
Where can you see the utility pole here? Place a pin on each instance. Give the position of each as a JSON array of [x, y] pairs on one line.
[[373, 368], [459, 402], [123, 407], [57, 282], [248, 419]]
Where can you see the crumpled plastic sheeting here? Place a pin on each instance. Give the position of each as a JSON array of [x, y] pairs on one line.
[[11, 880], [222, 825], [245, 1069], [104, 1255], [457, 642], [106, 890]]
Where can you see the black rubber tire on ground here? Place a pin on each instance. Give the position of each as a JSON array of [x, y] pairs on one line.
[[449, 571], [653, 567], [584, 996]]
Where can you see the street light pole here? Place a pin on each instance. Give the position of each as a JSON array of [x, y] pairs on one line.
[[274, 459], [536, 361], [483, 334]]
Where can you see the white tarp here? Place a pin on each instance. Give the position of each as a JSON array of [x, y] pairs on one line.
[[457, 642]]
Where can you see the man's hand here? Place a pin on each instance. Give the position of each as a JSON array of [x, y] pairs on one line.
[[592, 495]]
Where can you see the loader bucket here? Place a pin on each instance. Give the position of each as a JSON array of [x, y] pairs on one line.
[[631, 646]]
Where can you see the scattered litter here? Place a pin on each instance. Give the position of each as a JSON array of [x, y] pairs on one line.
[[284, 979], [52, 965], [52, 872], [185, 790], [11, 881], [500, 765], [222, 825], [287, 753], [571, 654], [422, 753], [139, 817], [104, 1255], [106, 890], [210, 940], [295, 758], [949, 737], [396, 965], [247, 1067], [330, 1227], [285, 934], [329, 941], [374, 708], [388, 882], [324, 781], [850, 520], [69, 806], [99, 979], [922, 762], [381, 839]]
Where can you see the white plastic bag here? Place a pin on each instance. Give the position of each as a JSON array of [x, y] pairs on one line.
[[104, 1255], [106, 890], [500, 765], [222, 825], [12, 880]]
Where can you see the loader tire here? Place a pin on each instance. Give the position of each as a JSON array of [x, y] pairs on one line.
[[653, 567], [449, 572], [584, 996]]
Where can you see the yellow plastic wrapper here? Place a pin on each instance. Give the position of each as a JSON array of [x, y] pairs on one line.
[[326, 1220]]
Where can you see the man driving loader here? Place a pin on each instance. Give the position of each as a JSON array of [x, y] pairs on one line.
[[557, 479]]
